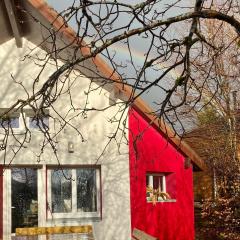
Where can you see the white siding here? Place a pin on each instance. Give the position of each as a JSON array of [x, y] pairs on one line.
[[115, 222]]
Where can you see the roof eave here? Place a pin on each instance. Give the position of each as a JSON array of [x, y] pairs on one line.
[[52, 16]]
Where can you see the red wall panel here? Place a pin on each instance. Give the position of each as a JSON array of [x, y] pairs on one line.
[[151, 152], [1, 202]]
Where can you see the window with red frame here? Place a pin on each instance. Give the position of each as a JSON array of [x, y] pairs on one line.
[[74, 192]]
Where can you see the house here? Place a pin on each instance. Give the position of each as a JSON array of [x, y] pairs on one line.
[[143, 181]]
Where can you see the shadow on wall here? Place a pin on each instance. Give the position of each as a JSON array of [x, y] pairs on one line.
[[115, 222]]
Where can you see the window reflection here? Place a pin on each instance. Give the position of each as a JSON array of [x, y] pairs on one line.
[[12, 122], [86, 190], [24, 197], [41, 123], [74, 192], [61, 188]]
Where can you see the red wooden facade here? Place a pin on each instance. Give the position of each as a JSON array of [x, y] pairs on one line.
[[1, 202], [152, 152]]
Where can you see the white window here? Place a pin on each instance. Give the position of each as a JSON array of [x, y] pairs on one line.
[[38, 123], [15, 119], [156, 187], [74, 193], [9, 122]]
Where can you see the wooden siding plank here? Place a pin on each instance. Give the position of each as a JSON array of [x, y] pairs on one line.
[[1, 202], [53, 230], [14, 22], [140, 235]]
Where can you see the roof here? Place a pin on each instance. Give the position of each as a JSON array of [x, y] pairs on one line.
[[49, 15]]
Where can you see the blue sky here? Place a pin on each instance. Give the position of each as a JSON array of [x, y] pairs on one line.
[[122, 55]]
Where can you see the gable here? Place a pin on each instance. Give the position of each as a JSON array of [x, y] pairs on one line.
[[21, 65], [95, 124], [37, 29], [149, 144]]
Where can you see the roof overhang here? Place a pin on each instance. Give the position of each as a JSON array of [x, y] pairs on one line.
[[49, 17], [14, 22]]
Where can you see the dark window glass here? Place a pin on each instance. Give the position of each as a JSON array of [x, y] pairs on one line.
[[9, 122], [24, 198], [38, 123], [158, 183], [86, 190], [61, 184]]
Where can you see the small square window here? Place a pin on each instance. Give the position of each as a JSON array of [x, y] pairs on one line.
[[156, 188], [40, 123], [11, 122]]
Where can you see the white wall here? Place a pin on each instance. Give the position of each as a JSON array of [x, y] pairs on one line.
[[95, 128]]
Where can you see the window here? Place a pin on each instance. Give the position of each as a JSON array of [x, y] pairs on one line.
[[9, 118], [15, 119], [10, 122], [157, 188], [41, 123], [24, 205], [74, 193]]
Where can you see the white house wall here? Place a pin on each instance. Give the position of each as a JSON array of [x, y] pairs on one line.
[[95, 128]]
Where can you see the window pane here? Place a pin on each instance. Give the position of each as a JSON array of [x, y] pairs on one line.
[[147, 181], [9, 122], [158, 183], [41, 123], [61, 184], [86, 190], [24, 198]]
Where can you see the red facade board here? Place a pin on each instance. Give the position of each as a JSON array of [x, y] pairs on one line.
[[1, 202], [152, 152]]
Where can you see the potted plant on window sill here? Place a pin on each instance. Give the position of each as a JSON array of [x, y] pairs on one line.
[[156, 195]]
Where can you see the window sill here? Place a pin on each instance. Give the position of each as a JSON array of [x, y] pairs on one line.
[[74, 215], [160, 201], [69, 221]]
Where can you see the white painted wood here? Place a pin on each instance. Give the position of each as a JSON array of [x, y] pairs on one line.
[[14, 22], [41, 195], [151, 181], [164, 184], [7, 204]]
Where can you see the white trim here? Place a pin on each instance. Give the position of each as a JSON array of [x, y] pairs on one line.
[[164, 183], [41, 185], [163, 201], [7, 221], [20, 130], [7, 200], [74, 192], [151, 175]]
